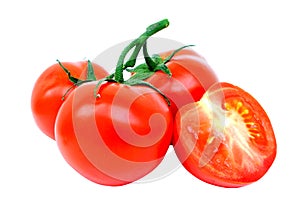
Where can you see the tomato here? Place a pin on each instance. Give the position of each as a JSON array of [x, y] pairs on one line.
[[116, 138], [226, 138], [51, 86], [191, 77]]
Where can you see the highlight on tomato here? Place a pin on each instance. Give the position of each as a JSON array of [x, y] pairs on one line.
[[225, 139], [53, 87]]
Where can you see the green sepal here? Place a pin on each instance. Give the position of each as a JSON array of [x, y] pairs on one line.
[[157, 59], [109, 78], [74, 80], [90, 72], [140, 76], [77, 82], [163, 68], [135, 82], [139, 69], [153, 64], [174, 52]]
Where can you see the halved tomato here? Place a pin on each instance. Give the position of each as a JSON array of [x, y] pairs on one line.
[[226, 138]]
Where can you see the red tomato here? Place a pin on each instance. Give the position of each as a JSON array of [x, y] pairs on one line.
[[51, 86], [225, 139], [116, 138], [191, 77]]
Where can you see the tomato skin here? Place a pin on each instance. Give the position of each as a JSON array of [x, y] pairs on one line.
[[233, 163], [191, 77], [49, 89], [117, 138]]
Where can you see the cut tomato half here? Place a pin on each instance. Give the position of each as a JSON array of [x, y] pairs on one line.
[[226, 138]]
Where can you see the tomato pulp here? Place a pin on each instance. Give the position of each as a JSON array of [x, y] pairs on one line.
[[225, 139]]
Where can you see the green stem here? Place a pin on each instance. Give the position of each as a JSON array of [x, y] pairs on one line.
[[90, 71], [151, 64], [138, 44]]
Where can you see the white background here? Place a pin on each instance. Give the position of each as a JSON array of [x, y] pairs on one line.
[[253, 44]]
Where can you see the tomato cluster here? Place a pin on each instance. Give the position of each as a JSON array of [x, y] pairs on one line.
[[115, 131]]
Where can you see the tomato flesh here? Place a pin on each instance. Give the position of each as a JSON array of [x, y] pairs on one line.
[[226, 138]]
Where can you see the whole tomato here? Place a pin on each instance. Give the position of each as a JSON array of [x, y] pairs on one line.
[[117, 137], [54, 85]]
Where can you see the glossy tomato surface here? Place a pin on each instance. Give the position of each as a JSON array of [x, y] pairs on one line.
[[51, 86], [191, 77], [225, 139], [116, 138]]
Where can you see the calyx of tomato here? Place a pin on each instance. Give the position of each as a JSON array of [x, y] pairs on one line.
[[76, 81], [137, 45], [153, 64]]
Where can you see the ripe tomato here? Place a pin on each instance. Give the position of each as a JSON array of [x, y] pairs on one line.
[[226, 138], [191, 77], [116, 138], [51, 86]]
